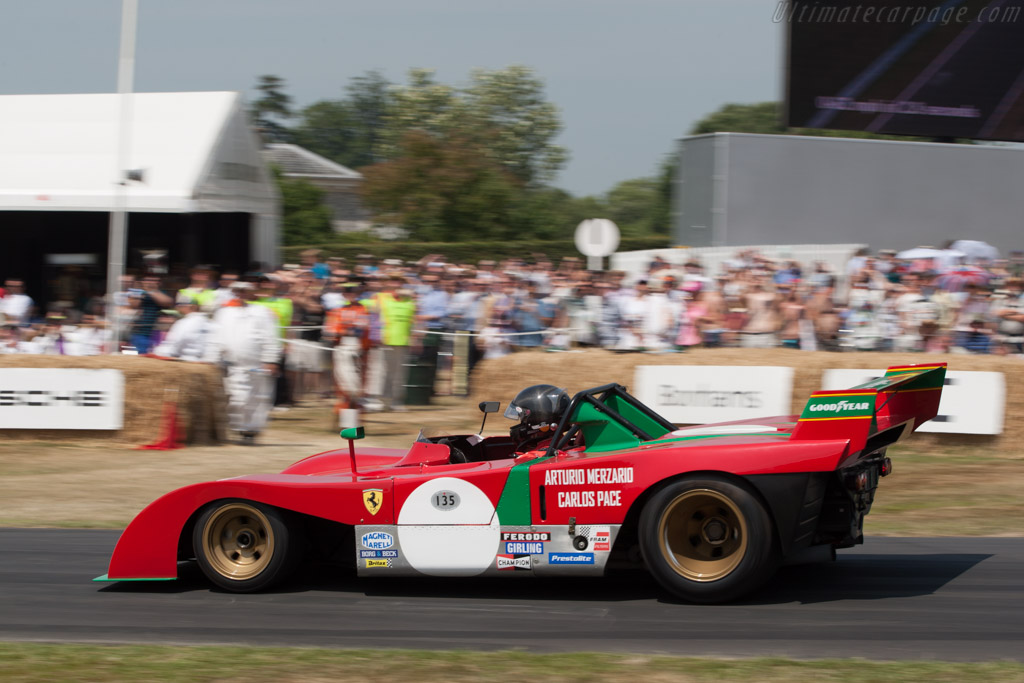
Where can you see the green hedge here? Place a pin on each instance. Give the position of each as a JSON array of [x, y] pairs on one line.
[[463, 252]]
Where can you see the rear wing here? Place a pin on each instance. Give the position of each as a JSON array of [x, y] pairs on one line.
[[877, 413]]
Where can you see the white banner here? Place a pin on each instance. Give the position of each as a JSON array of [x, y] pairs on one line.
[[972, 402], [52, 398], [699, 394]]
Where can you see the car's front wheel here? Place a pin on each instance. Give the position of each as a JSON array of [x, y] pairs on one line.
[[707, 539], [243, 546]]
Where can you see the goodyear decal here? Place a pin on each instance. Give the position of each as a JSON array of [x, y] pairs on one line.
[[839, 406]]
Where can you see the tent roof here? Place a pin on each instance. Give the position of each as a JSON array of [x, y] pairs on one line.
[[60, 153], [299, 161]]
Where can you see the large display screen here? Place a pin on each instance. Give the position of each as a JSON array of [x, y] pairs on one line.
[[931, 68]]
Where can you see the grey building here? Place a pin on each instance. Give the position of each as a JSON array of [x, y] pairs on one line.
[[339, 183], [736, 189]]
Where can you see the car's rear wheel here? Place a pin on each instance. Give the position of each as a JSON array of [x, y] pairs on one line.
[[243, 546], [707, 539]]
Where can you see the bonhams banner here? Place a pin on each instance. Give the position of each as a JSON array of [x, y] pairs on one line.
[[51, 398], [698, 394]]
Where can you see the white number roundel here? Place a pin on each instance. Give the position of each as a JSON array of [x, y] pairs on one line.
[[440, 538]]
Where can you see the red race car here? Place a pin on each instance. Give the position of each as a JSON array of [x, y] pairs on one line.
[[579, 486]]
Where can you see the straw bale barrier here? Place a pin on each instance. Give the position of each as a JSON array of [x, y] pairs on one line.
[[149, 382], [502, 378]]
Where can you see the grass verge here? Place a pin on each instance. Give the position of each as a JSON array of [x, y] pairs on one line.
[[35, 662]]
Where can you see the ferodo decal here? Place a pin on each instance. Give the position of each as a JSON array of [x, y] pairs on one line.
[[460, 538], [373, 499], [594, 475], [513, 562], [540, 536], [377, 540]]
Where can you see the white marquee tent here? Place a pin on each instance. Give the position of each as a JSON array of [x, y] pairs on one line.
[[59, 153]]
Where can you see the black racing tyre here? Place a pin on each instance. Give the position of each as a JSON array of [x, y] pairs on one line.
[[243, 546], [707, 539]]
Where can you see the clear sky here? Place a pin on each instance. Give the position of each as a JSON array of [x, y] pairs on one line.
[[630, 76]]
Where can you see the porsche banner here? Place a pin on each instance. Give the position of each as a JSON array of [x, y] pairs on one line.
[[51, 398]]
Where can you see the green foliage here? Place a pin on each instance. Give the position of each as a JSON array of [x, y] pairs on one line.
[[440, 190], [304, 216], [766, 118], [272, 106], [349, 131]]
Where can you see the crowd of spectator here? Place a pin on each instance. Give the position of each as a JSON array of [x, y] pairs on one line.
[[370, 314]]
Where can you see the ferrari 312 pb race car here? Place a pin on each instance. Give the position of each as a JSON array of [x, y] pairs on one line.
[[579, 486]]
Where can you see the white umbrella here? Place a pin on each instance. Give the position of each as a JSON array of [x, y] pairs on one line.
[[976, 249], [920, 252]]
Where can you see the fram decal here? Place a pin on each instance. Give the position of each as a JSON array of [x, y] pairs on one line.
[[523, 547], [377, 540], [595, 475], [601, 538], [383, 564], [377, 553], [589, 499], [570, 558], [542, 536], [513, 562]]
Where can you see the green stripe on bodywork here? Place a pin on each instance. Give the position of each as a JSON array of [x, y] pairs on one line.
[[160, 578], [514, 504]]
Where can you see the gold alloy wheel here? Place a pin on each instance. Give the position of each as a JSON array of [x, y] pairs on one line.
[[703, 535], [238, 541]]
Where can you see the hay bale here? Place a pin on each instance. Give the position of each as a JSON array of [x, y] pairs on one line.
[[196, 388], [502, 378]]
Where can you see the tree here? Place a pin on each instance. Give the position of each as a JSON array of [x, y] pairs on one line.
[[272, 105], [349, 131], [518, 126], [305, 219], [440, 190]]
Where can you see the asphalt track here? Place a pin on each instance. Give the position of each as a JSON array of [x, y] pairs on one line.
[[911, 598]]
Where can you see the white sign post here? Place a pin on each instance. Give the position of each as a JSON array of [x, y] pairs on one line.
[[699, 394], [595, 239], [972, 402]]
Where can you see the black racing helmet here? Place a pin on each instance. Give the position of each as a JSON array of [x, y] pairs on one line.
[[539, 404]]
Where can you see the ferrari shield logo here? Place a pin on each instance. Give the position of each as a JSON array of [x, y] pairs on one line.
[[372, 499]]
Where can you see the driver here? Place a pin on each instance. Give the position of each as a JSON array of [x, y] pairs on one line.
[[539, 409]]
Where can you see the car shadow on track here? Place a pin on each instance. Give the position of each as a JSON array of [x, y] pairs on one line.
[[862, 577], [865, 577]]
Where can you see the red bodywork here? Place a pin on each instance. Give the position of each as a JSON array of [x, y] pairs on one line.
[[782, 461]]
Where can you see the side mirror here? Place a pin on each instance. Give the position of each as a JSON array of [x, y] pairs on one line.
[[485, 408], [353, 433]]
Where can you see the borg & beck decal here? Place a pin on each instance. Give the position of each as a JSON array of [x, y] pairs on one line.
[[377, 540], [378, 553], [513, 562]]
